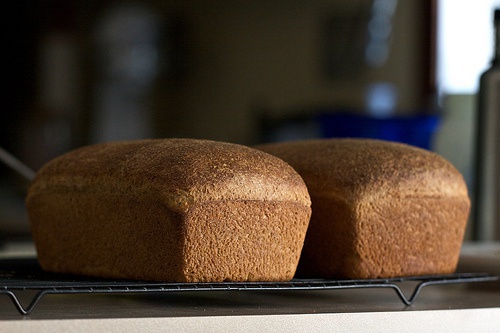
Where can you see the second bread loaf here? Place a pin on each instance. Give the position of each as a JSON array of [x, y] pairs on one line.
[[380, 209]]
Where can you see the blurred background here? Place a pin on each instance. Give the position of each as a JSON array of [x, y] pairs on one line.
[[81, 72]]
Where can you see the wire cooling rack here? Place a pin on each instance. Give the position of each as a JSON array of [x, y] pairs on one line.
[[18, 275]]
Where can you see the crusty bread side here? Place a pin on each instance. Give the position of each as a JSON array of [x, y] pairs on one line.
[[380, 209], [172, 210]]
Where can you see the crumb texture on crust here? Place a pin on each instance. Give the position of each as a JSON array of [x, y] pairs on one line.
[[244, 241]]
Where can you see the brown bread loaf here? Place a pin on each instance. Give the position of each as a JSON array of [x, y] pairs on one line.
[[169, 210], [380, 209]]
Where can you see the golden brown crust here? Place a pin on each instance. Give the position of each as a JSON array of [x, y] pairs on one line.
[[347, 167], [380, 209], [182, 171], [132, 210]]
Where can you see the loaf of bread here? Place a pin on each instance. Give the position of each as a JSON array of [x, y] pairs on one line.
[[379, 209], [181, 210]]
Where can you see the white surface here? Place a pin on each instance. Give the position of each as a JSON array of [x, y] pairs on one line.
[[18, 250], [456, 321]]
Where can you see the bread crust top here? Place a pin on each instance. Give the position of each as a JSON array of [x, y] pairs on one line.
[[368, 168], [180, 171]]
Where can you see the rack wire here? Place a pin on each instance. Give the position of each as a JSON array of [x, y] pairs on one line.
[[18, 275]]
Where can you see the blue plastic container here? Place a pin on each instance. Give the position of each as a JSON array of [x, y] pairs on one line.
[[416, 130]]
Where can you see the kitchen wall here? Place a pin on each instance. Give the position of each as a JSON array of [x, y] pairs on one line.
[[227, 62], [77, 71], [270, 56]]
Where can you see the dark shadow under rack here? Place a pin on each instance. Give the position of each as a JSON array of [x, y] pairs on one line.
[[17, 275]]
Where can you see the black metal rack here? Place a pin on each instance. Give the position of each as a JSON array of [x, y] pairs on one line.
[[18, 275]]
